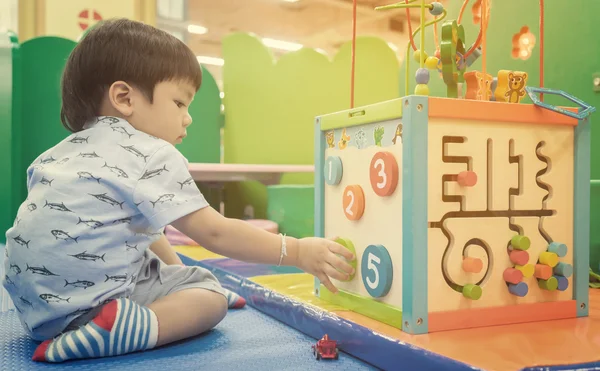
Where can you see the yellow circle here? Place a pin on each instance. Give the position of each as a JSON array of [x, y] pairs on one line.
[[422, 89], [527, 269], [549, 258]]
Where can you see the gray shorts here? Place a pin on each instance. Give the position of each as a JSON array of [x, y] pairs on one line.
[[156, 280]]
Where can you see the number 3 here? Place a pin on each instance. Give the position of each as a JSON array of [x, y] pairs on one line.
[[377, 270], [384, 173], [353, 202]]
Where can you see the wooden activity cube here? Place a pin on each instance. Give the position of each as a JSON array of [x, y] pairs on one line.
[[461, 213]]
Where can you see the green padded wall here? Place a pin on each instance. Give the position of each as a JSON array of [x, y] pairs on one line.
[[203, 141], [292, 208], [8, 52], [42, 62], [270, 105]]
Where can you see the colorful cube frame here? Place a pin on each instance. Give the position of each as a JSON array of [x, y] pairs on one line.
[[414, 112]]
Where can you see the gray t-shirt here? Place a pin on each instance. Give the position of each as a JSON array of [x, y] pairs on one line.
[[96, 201]]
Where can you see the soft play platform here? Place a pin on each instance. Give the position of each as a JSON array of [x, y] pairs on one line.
[[287, 295], [245, 340]]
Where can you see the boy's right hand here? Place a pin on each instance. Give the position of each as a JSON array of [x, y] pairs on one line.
[[320, 257]]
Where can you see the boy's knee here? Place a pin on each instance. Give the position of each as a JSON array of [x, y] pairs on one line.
[[214, 306]]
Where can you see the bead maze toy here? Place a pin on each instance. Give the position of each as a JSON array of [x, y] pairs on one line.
[[463, 211]]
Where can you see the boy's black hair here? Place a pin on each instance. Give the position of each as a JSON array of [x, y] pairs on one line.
[[121, 50]]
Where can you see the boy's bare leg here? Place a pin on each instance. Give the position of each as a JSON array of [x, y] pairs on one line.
[[188, 313], [123, 326]]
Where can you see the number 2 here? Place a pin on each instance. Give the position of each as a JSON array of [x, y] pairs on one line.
[[349, 207], [353, 202]]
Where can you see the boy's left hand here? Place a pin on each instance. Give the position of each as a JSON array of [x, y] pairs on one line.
[[321, 258]]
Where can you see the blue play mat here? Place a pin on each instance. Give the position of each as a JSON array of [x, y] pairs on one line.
[[245, 340]]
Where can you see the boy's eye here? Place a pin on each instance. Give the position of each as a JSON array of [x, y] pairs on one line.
[[179, 104]]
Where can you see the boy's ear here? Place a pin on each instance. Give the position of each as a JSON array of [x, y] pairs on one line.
[[120, 97]]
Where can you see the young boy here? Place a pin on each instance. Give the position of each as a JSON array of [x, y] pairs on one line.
[[88, 265]]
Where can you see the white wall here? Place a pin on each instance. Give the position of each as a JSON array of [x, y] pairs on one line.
[[9, 15]]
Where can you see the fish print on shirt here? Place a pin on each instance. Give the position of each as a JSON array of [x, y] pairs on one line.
[[88, 155], [32, 207], [107, 199], [90, 257], [149, 174], [188, 181], [135, 151], [107, 120], [40, 270], [130, 247], [162, 199], [126, 220], [8, 280], [115, 169], [47, 160], [122, 130], [63, 161], [62, 235], [57, 206], [87, 175], [21, 241], [91, 223], [25, 301], [80, 283], [51, 298], [79, 140], [47, 182], [117, 278], [17, 221], [15, 268]]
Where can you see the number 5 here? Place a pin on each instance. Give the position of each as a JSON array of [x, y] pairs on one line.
[[372, 267], [376, 270]]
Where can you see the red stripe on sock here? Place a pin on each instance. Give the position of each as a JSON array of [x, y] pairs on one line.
[[40, 352], [106, 317]]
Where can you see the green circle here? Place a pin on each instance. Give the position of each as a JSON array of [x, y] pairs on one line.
[[550, 284], [520, 242], [472, 291], [350, 246]]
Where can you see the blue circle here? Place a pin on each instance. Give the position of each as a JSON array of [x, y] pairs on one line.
[[332, 171], [376, 270]]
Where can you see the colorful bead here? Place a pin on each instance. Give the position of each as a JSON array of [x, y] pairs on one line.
[[558, 248], [421, 89], [520, 242], [563, 283], [432, 63], [520, 289], [563, 269], [437, 9], [550, 284], [422, 76], [419, 54], [472, 291]]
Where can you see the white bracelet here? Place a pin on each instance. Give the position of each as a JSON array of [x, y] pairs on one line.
[[283, 249]]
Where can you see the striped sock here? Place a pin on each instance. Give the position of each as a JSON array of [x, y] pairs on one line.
[[122, 326], [234, 301]]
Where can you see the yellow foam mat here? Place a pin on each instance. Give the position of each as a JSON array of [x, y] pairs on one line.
[[197, 252]]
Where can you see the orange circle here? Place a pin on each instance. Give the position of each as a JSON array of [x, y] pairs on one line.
[[383, 173], [353, 202]]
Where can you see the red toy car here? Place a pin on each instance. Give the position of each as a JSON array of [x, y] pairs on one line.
[[325, 348]]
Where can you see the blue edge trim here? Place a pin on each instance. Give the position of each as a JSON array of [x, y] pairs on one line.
[[361, 342]]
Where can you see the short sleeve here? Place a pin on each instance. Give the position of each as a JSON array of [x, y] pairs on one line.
[[165, 190]]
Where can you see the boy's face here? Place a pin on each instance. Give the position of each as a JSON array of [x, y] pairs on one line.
[[167, 116]]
